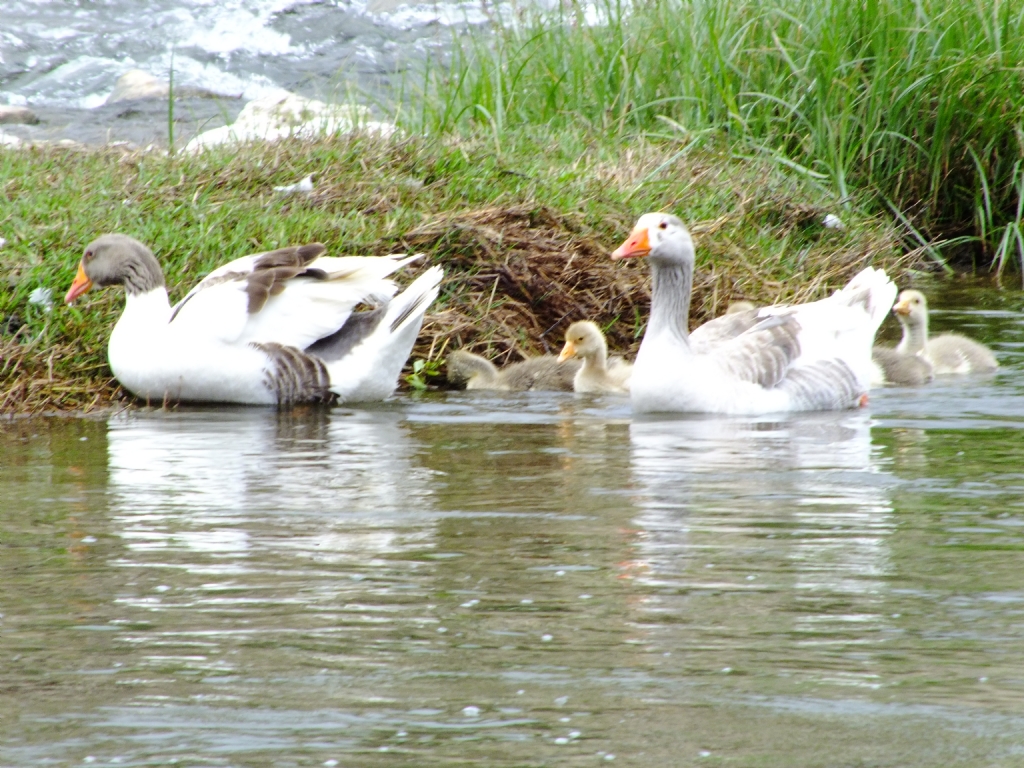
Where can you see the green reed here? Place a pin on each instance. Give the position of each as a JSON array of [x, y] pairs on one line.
[[917, 105]]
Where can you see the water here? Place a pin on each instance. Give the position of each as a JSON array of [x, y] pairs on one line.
[[62, 58], [512, 580], [69, 54]]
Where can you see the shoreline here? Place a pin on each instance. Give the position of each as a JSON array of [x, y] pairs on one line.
[[132, 123], [517, 270]]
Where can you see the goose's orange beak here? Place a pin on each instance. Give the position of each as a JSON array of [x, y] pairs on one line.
[[81, 285], [568, 351], [637, 244], [901, 307]]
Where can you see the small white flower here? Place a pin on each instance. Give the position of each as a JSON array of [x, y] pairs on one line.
[[42, 297], [833, 222]]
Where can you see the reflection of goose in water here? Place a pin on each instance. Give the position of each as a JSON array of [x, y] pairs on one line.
[[322, 484], [778, 519], [710, 472]]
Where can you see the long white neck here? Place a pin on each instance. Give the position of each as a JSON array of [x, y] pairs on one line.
[[671, 285], [915, 334]]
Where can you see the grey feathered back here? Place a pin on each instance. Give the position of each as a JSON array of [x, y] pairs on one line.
[[534, 374], [902, 369]]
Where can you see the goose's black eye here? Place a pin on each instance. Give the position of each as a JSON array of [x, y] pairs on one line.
[[663, 225], [88, 255]]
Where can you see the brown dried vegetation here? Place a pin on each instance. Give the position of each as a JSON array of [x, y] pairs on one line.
[[29, 383]]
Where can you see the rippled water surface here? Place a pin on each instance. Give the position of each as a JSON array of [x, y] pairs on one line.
[[69, 53], [62, 58], [512, 580]]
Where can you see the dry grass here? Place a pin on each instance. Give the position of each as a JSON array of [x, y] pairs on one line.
[[29, 383]]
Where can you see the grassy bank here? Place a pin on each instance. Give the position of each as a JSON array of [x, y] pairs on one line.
[[523, 233], [545, 137], [916, 109]]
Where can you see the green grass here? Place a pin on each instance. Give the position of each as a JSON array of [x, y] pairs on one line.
[[555, 199], [915, 109]]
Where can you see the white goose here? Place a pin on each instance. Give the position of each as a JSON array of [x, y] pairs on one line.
[[272, 328], [801, 358], [947, 352]]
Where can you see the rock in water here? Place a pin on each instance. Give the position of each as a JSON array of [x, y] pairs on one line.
[[289, 115], [136, 84], [12, 114]]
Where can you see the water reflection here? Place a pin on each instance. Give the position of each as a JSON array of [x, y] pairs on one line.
[[228, 482], [790, 519], [519, 580], [702, 479]]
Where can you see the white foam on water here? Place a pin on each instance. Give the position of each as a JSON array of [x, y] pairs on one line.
[[54, 53], [58, 33], [198, 74], [222, 28], [408, 16], [217, 28], [413, 16], [84, 82]]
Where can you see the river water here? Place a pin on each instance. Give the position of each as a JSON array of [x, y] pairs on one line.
[[69, 53], [513, 580], [62, 58]]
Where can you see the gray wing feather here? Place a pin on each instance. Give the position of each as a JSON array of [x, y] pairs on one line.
[[825, 385], [722, 329], [763, 354], [293, 376]]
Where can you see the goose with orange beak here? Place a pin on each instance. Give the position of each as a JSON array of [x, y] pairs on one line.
[[805, 357], [272, 328]]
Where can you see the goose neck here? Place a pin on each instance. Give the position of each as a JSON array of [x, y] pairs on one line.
[[915, 335], [671, 286], [597, 361], [150, 307]]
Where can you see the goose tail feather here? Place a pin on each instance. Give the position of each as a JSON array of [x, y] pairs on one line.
[[379, 358]]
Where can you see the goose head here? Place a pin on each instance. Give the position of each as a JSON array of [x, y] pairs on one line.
[[583, 340], [116, 259], [911, 308], [661, 237]]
